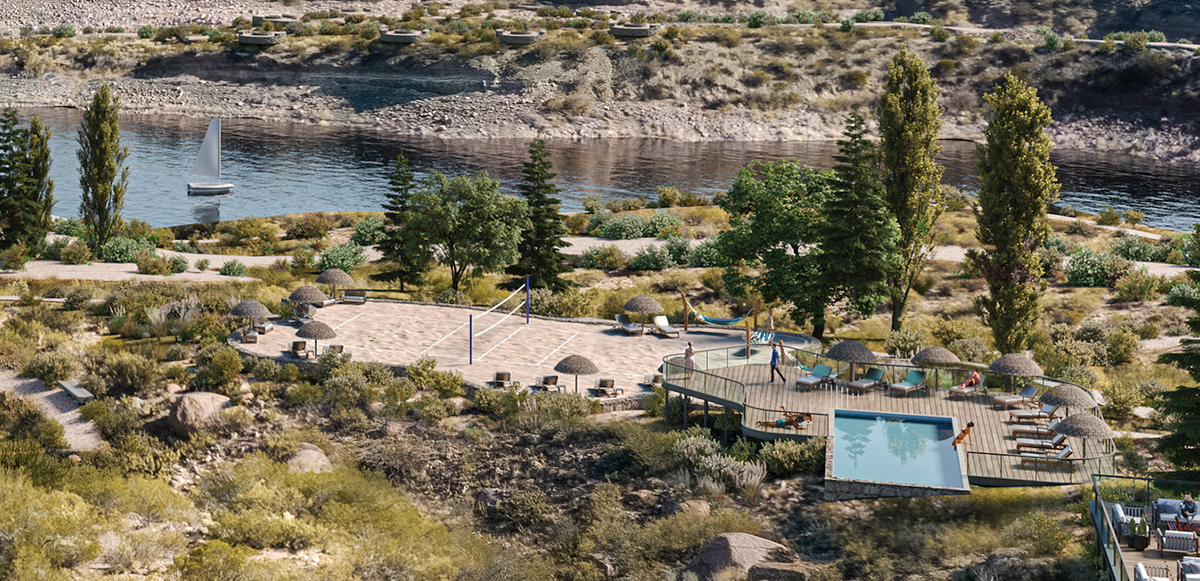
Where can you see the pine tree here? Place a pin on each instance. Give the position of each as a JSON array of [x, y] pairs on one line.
[[909, 120], [103, 176], [859, 234], [1182, 405], [39, 172], [403, 245], [540, 258], [1017, 181], [20, 215]]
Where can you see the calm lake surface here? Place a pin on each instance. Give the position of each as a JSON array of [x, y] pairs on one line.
[[279, 168]]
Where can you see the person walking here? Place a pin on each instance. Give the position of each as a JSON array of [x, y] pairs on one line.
[[689, 360], [775, 350]]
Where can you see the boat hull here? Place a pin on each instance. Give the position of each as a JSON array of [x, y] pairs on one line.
[[208, 189]]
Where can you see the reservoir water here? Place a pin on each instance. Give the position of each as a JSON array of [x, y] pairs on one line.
[[281, 168]]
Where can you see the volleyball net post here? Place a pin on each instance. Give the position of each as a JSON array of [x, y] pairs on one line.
[[527, 300], [470, 339]]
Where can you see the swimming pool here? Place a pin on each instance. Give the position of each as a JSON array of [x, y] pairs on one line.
[[896, 448]]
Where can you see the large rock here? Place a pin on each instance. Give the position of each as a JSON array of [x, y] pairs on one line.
[[309, 458], [780, 572], [695, 506], [194, 412], [1011, 564], [733, 550]]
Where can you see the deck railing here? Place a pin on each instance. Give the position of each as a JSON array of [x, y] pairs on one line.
[[729, 389]]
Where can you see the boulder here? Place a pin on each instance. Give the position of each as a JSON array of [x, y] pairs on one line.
[[695, 506], [1011, 564], [194, 412], [1144, 412], [640, 498], [732, 550], [780, 572], [309, 458]]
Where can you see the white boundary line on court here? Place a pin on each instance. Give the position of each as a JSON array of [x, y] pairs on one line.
[[564, 344], [510, 336], [502, 319], [435, 344], [348, 320]]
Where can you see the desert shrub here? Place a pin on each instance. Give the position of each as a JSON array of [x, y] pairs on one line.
[[1079, 374], [576, 223], [14, 257], [349, 390], [662, 222], [570, 303], [50, 367], [1138, 285], [452, 296], [627, 226], [1092, 332], [433, 410], [70, 227], [54, 250], [346, 257], [1136, 41], [905, 342], [1121, 345], [1108, 216], [186, 247], [598, 220], [921, 18], [1136, 248], [149, 262], [308, 226], [369, 231], [971, 349], [593, 204], [693, 449], [652, 257], [786, 457], [20, 420], [15, 355], [607, 257], [1052, 261], [1182, 293], [869, 15], [1120, 398], [219, 366], [563, 409], [625, 204], [1079, 227], [1039, 531], [1092, 269], [948, 330], [178, 264], [129, 373], [939, 33], [233, 268], [707, 254], [955, 199], [122, 249], [202, 264]]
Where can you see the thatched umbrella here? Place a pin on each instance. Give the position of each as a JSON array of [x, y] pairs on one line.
[[316, 331], [250, 309], [577, 365], [307, 294], [1015, 365], [851, 352], [1085, 427], [643, 304], [335, 277], [1068, 396], [936, 357]]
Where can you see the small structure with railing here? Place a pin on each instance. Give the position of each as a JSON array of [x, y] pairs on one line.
[[1139, 531]]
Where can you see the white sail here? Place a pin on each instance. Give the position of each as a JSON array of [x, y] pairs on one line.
[[209, 162]]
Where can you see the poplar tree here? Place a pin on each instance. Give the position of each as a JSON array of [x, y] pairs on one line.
[[1017, 181], [103, 175], [26, 192], [859, 234], [540, 258], [403, 245], [39, 171], [909, 120]]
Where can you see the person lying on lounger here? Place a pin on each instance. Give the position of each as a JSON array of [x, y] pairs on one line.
[[974, 380]]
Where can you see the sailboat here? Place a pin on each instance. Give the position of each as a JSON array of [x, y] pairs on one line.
[[209, 163]]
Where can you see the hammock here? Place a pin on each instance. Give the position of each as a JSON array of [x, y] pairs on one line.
[[716, 321]]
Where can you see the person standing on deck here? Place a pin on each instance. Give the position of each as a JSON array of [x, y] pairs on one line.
[[775, 356], [689, 360]]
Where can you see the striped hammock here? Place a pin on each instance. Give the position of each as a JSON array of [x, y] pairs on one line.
[[716, 321]]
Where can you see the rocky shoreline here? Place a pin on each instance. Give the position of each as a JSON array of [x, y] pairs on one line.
[[521, 113]]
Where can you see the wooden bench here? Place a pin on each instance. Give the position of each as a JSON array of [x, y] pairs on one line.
[[355, 297], [79, 394]]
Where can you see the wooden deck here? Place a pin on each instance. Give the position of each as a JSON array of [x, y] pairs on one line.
[[1152, 559], [991, 453]]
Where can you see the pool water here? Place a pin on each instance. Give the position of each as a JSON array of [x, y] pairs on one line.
[[898, 448]]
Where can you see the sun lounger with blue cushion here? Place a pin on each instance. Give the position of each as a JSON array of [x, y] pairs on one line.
[[914, 381], [1048, 412], [872, 378], [1026, 396], [820, 374], [1060, 459], [1039, 444]]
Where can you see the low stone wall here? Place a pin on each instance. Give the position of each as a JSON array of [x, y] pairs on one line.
[[633, 30], [520, 36], [260, 38], [402, 36]]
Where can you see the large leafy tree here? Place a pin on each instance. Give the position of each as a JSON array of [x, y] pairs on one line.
[[26, 191], [1181, 406], [403, 246], [103, 175], [466, 223], [775, 218], [540, 258], [909, 120], [1017, 181], [858, 234]]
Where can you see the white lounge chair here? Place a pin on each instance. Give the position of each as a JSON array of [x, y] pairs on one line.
[[663, 327], [626, 325], [1039, 444], [1060, 459], [1178, 541], [547, 382], [1047, 412], [501, 379], [1036, 431], [355, 297], [1140, 573], [250, 337], [1026, 396], [1189, 569], [607, 386], [653, 379], [821, 375]]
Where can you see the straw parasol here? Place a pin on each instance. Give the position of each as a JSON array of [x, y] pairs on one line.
[[1015, 365], [1069, 396], [935, 357], [307, 294], [577, 365], [335, 277], [250, 309], [851, 352], [1085, 427], [316, 331], [643, 304]]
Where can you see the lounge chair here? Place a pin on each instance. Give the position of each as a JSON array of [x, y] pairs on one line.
[[968, 390], [299, 349], [548, 382], [871, 379], [250, 337], [914, 381], [624, 324], [1152, 573], [1038, 444], [355, 297], [1189, 569], [1026, 396], [336, 349], [653, 379], [326, 303], [79, 394], [264, 327], [501, 379], [821, 374], [1178, 541], [1123, 516], [1060, 459], [1048, 412], [663, 327], [1036, 431], [606, 386]]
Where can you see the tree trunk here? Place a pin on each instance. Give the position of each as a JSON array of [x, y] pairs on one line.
[[898, 312], [818, 331]]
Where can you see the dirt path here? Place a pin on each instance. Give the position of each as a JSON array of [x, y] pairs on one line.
[[57, 405]]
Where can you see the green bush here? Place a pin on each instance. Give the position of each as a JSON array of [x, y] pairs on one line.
[[54, 250], [971, 349], [149, 262], [905, 342], [70, 227], [869, 15], [346, 257], [1088, 268], [787, 457], [308, 226], [625, 204], [627, 226], [50, 367], [1121, 345], [1136, 248], [1038, 531], [569, 303], [707, 254], [939, 33], [14, 356], [921, 18], [350, 390], [132, 373], [663, 221], [452, 296], [122, 249], [202, 264], [185, 247], [219, 366], [680, 250], [14, 257], [1120, 398], [76, 253], [1138, 285], [368, 231], [606, 257], [434, 410], [145, 31], [20, 420], [1182, 292], [1108, 215], [652, 257], [233, 268], [213, 561]]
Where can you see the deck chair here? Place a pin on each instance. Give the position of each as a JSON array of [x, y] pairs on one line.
[[264, 327], [250, 337], [501, 379], [1178, 541], [327, 302], [624, 324], [548, 382], [871, 379], [606, 386], [1039, 444], [821, 374], [299, 349], [1188, 569], [1036, 431], [663, 327], [1153, 573], [336, 349], [914, 381], [1026, 396], [1048, 412], [653, 379], [355, 297], [965, 391], [1060, 459]]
